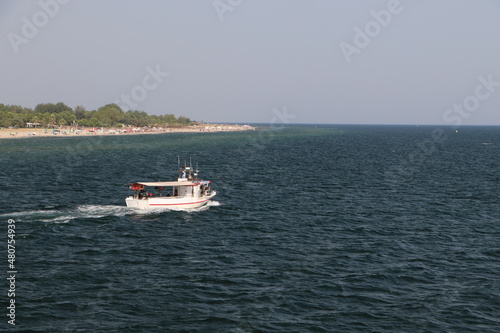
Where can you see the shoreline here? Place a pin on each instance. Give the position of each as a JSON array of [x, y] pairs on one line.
[[66, 131]]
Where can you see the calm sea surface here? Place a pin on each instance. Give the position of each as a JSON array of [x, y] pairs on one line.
[[314, 229]]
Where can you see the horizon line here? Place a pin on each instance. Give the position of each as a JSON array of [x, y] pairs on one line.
[[353, 124]]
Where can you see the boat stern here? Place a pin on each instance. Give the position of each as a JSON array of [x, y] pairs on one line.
[[136, 203]]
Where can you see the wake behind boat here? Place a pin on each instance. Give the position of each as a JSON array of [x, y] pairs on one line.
[[186, 193]]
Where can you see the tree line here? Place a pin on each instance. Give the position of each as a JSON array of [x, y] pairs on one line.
[[59, 114]]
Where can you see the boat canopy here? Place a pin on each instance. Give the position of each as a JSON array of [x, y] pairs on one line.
[[163, 184]]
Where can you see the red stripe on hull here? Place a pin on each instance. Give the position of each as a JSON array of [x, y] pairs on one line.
[[179, 204]]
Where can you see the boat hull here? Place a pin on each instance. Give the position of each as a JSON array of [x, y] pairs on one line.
[[174, 203]]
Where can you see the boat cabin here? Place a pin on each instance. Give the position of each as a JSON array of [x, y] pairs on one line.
[[178, 189], [187, 192]]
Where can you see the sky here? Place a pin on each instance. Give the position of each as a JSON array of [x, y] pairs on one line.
[[421, 62]]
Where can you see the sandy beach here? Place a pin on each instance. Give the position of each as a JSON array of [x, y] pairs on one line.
[[12, 133]]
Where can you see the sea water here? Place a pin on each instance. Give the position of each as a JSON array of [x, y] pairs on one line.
[[313, 229]]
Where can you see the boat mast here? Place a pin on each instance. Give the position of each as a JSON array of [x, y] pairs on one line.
[[196, 171]]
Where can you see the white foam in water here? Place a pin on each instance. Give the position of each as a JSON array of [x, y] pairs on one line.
[[66, 215], [91, 211], [102, 210], [41, 215], [59, 219], [165, 209], [207, 206], [31, 213], [150, 211], [203, 208]]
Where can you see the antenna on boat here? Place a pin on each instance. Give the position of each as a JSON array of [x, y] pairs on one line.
[[196, 171]]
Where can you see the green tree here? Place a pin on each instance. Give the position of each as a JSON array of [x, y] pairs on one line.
[[52, 108], [52, 120], [13, 120], [66, 118], [80, 112], [109, 115], [183, 120], [18, 109], [94, 122], [169, 119], [4, 121], [51, 115]]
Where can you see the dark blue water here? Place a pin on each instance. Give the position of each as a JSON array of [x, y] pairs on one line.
[[314, 229]]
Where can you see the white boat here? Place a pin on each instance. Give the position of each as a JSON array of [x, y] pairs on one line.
[[186, 193]]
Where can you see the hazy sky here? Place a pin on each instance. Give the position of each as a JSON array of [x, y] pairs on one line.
[[323, 61]]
